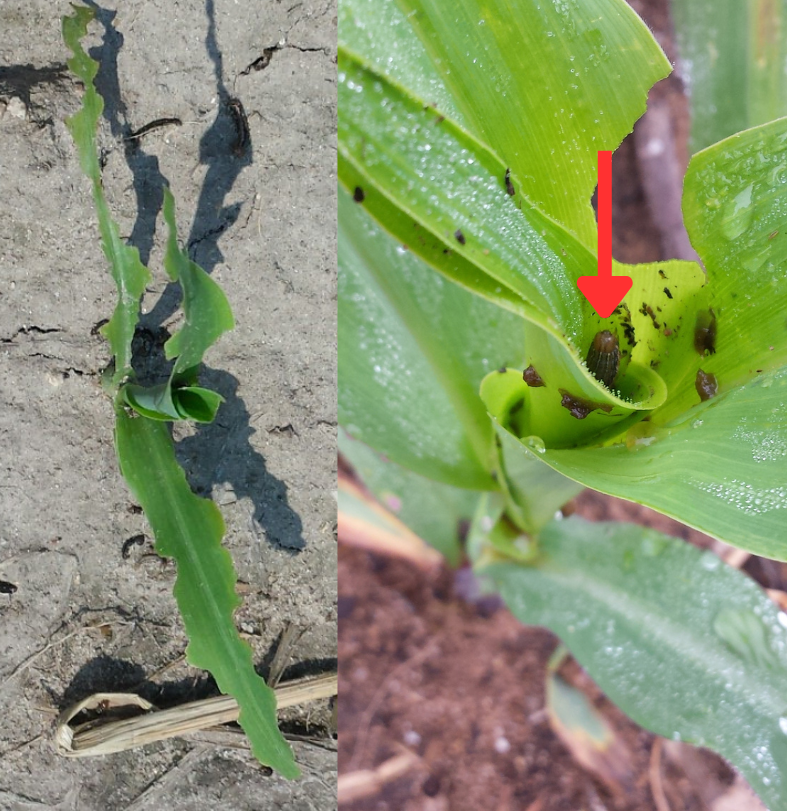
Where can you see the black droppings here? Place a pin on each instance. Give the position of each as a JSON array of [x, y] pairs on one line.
[[509, 185], [358, 195], [662, 274], [705, 333], [625, 322], [706, 385], [460, 237], [646, 309], [532, 377], [502, 370], [667, 292]]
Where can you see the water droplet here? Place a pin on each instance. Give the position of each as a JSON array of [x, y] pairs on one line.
[[535, 443], [738, 214], [696, 424], [783, 724], [709, 561], [746, 635]]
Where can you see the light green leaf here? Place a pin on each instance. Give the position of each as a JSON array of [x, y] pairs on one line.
[[429, 188], [735, 207], [734, 63], [207, 311], [535, 492], [381, 34], [649, 618], [444, 179], [189, 529], [720, 467], [546, 86], [418, 346], [127, 270], [207, 317]]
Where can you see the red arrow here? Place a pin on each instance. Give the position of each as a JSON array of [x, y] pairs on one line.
[[605, 291]]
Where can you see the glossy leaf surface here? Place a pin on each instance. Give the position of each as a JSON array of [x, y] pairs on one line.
[[686, 646], [734, 62]]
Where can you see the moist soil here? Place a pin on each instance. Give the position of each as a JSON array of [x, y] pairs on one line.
[[463, 685], [85, 603]]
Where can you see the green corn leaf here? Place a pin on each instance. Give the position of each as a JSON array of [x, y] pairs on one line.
[[207, 311], [127, 270], [189, 529], [464, 211], [734, 207], [734, 63], [686, 646], [383, 35], [718, 465], [421, 346], [416, 176], [545, 85], [505, 239], [165, 403], [207, 317]]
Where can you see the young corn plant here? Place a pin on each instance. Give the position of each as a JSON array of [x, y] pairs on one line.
[[186, 527], [476, 382]]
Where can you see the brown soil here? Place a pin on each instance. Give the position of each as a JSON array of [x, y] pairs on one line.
[[462, 685]]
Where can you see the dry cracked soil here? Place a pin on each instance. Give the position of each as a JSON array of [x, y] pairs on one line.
[[76, 615]]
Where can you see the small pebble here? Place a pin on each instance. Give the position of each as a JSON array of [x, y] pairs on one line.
[[16, 108]]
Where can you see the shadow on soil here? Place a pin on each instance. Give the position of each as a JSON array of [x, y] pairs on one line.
[[219, 452]]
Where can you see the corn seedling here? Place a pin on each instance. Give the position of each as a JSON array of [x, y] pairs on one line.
[[187, 528]]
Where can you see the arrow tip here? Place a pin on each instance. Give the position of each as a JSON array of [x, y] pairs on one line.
[[604, 292]]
